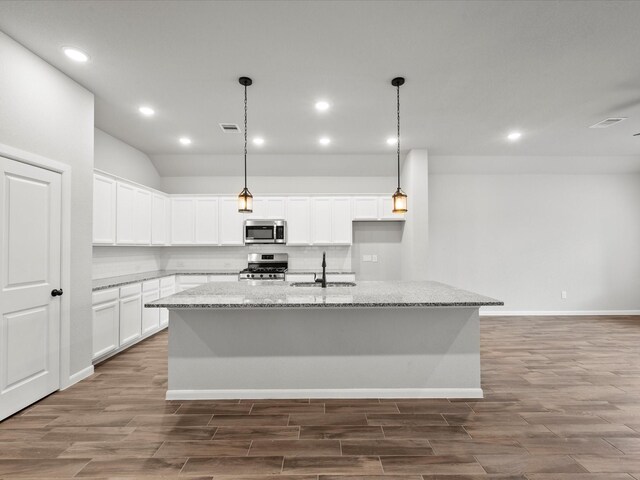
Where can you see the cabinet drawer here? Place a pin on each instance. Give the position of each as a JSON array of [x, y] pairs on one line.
[[151, 285], [130, 290], [103, 296], [168, 282]]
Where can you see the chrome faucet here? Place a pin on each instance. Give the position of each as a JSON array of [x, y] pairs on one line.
[[323, 281]]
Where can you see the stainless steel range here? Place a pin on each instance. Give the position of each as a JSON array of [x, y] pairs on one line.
[[266, 267]]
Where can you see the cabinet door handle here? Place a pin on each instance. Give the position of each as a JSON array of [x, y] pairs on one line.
[[56, 292]]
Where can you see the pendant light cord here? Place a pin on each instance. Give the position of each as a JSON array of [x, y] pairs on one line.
[[245, 137], [398, 142]]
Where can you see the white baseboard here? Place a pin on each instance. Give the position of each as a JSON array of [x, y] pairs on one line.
[[325, 393], [567, 313], [78, 376]]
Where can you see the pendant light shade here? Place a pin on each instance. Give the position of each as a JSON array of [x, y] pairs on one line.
[[399, 197], [245, 199], [399, 201]]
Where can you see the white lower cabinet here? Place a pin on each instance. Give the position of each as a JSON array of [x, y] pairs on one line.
[[130, 313], [150, 316], [106, 322], [167, 287], [120, 318]]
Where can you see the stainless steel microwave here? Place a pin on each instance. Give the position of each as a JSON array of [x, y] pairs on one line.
[[265, 231]]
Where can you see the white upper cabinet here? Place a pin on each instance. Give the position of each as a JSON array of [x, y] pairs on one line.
[[331, 218], [160, 216], [321, 213], [142, 224], [276, 208], [375, 207], [104, 210], [298, 224], [206, 221], [365, 208], [269, 208], [125, 214], [231, 222], [183, 221], [341, 221]]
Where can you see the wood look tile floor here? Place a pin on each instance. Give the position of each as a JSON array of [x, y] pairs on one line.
[[562, 402]]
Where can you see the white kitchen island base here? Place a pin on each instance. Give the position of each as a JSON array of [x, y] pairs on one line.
[[326, 352]]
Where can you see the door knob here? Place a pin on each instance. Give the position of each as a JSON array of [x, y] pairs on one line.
[[56, 292]]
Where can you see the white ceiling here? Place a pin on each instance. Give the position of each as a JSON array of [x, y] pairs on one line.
[[475, 70]]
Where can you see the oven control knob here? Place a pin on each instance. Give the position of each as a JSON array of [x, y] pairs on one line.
[[261, 275]]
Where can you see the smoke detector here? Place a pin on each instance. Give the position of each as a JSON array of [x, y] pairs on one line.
[[608, 122]]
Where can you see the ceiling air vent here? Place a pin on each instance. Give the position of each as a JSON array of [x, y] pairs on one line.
[[229, 127], [608, 122]]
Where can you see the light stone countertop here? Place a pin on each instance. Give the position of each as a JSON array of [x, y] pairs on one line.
[[364, 294], [119, 281]]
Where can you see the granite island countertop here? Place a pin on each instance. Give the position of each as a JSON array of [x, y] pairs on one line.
[[364, 294]]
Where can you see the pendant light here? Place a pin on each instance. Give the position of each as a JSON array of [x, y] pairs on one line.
[[245, 199], [399, 198]]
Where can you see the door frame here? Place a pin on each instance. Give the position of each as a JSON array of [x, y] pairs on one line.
[[64, 170]]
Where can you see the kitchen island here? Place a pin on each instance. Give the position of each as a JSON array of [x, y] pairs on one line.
[[374, 339]]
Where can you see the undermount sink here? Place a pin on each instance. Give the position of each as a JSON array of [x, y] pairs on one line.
[[318, 284]]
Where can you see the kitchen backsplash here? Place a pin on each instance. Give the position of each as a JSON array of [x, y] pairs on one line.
[[114, 261]]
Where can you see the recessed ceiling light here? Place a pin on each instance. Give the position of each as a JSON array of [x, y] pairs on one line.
[[392, 141], [325, 141], [75, 54], [322, 105], [258, 141], [513, 136], [185, 140], [146, 111]]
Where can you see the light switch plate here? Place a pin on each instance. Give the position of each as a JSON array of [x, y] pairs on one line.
[[374, 258], [366, 258]]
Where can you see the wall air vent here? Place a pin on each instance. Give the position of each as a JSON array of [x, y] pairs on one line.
[[608, 122], [229, 127]]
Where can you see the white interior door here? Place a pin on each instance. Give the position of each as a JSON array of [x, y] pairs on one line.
[[30, 206]]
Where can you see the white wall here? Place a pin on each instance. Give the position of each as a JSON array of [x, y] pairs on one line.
[[383, 239], [115, 261], [235, 258], [279, 184], [415, 235], [45, 112], [525, 238], [111, 261], [121, 159]]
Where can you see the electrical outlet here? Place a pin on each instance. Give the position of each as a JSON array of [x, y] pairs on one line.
[[366, 258], [180, 264], [374, 258], [564, 294]]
